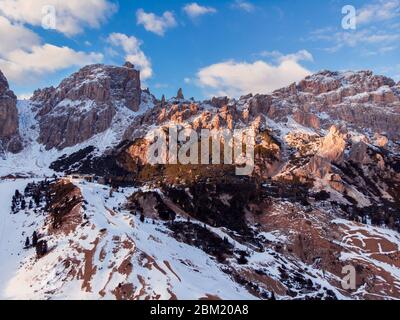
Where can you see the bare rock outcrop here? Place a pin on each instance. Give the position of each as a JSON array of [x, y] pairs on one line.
[[331, 150], [180, 95], [9, 134], [380, 140], [333, 145], [307, 119], [366, 102], [358, 153]]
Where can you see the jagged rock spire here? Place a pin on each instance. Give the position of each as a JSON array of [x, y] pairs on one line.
[[180, 94], [129, 65]]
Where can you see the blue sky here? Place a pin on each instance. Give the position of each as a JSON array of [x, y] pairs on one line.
[[206, 47]]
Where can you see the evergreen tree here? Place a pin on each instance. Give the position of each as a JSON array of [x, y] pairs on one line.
[[13, 205], [30, 204], [34, 238], [41, 248], [27, 242], [142, 217], [242, 259], [23, 204], [36, 198]]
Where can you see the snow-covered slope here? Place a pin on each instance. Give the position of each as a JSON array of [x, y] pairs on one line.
[[114, 255]]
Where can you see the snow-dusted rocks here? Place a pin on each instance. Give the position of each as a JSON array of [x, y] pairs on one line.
[[9, 135], [364, 101], [85, 103]]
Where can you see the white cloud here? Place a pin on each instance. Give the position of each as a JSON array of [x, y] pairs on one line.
[[381, 10], [379, 51], [369, 36], [23, 56], [233, 78], [194, 10], [302, 55], [243, 5], [20, 65], [15, 36], [133, 53], [161, 85], [154, 23], [72, 15], [365, 37]]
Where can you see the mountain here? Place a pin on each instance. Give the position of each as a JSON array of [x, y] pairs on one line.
[[324, 194], [84, 104]]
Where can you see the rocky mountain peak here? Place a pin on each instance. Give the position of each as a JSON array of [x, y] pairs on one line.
[[327, 81], [99, 83], [5, 91], [9, 133], [85, 103], [129, 65], [180, 95]]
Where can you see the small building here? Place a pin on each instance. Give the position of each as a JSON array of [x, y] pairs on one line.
[[86, 177]]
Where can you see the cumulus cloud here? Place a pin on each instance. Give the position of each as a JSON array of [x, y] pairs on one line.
[[375, 30], [23, 56], [381, 10], [194, 10], [243, 5], [368, 37], [133, 53], [156, 24], [72, 16], [42, 59], [14, 36], [234, 78]]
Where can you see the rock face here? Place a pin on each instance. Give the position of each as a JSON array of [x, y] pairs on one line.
[[361, 99], [333, 145], [85, 103], [9, 134]]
